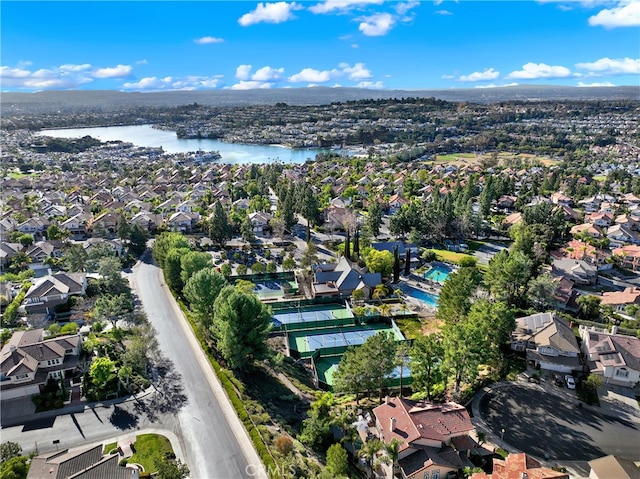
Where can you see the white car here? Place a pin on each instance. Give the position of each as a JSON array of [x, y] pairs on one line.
[[571, 384]]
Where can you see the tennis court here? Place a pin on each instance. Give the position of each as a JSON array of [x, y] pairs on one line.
[[310, 315], [337, 337]]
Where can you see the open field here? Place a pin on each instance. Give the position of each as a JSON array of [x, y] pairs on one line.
[[503, 158]]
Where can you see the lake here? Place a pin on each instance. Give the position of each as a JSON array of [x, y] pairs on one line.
[[234, 153]]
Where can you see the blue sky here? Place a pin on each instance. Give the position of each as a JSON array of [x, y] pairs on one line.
[[163, 45]]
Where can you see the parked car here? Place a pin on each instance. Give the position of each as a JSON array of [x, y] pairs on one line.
[[571, 384], [557, 380]]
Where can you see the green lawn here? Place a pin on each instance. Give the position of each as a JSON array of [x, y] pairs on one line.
[[148, 449], [450, 256], [455, 157]]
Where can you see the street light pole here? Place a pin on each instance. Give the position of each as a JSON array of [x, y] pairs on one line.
[[502, 435]]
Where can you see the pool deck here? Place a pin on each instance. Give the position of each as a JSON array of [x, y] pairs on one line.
[[425, 285]]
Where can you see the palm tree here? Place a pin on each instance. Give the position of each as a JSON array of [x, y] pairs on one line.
[[379, 292], [393, 451]]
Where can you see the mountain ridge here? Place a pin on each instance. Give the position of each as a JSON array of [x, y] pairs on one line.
[[65, 100]]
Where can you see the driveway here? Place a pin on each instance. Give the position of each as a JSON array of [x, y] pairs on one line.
[[548, 423]]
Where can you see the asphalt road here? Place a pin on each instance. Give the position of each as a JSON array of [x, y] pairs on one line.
[[553, 426], [214, 441]]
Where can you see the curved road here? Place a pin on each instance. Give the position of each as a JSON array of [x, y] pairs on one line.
[[215, 442]]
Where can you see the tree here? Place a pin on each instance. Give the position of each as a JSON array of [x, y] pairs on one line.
[[219, 228], [54, 232], [455, 298], [374, 217], [171, 468], [541, 291], [241, 324], [192, 262], [309, 208], [316, 429], [396, 264], [173, 268], [15, 468], [310, 255], [289, 263], [109, 307], [137, 240], [75, 258], [367, 367], [379, 262], [246, 230], [508, 275], [110, 270], [337, 462], [9, 449], [426, 363], [589, 306], [26, 240], [201, 291], [102, 371], [165, 242]]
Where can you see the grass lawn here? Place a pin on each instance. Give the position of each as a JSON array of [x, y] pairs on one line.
[[150, 448], [455, 157]]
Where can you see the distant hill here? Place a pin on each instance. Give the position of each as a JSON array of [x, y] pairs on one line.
[[104, 100]]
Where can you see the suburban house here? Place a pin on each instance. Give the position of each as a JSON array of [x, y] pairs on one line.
[[50, 290], [28, 361], [619, 300], [7, 252], [435, 441], [519, 466], [548, 341], [615, 357], [629, 256], [611, 466], [341, 279], [619, 235], [260, 221], [183, 222], [577, 270], [83, 464]]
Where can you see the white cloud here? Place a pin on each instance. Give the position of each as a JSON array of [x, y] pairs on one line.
[[75, 68], [355, 45], [625, 14], [487, 74], [142, 62], [149, 83], [539, 70], [119, 71], [447, 77], [377, 85], [356, 72], [171, 83], [582, 84], [329, 6], [311, 75], [403, 7], [251, 85], [207, 40], [376, 25], [62, 77], [267, 73], [611, 66], [493, 85], [269, 13], [243, 71]]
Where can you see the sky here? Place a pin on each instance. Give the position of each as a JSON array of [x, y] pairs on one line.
[[408, 45]]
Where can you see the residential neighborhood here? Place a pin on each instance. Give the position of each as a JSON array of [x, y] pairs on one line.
[[368, 313]]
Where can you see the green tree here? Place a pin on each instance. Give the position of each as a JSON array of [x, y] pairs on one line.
[[310, 255], [171, 468], [201, 291], [54, 233], [15, 468], [589, 306], [110, 307], [165, 242], [455, 297], [247, 231], [75, 258], [309, 208], [101, 371], [219, 227], [192, 262], [26, 240], [427, 355], [241, 325], [337, 461], [173, 268], [508, 276], [374, 217], [9, 449], [379, 262], [289, 263], [541, 291], [138, 238], [110, 271]]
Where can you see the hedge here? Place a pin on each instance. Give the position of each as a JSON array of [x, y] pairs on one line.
[[11, 312]]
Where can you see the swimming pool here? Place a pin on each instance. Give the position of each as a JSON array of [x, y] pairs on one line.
[[438, 273], [429, 299]]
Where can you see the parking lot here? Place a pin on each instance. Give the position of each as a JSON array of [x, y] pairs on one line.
[[549, 422]]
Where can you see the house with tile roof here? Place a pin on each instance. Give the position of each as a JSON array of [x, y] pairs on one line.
[[435, 439], [548, 342], [519, 466], [619, 300], [28, 361], [629, 256], [87, 463], [613, 356]]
